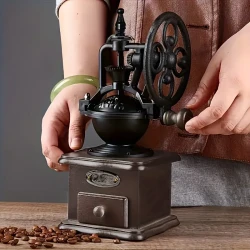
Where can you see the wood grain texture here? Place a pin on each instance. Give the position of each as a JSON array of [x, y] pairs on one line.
[[200, 228]]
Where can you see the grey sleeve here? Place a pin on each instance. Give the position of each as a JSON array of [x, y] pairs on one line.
[[60, 2]]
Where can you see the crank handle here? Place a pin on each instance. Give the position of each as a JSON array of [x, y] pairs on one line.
[[179, 119]]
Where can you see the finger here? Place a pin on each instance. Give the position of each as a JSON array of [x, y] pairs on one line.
[[63, 143], [246, 130], [221, 102], [208, 84], [49, 141], [49, 163], [244, 125], [76, 130], [56, 166], [227, 124]]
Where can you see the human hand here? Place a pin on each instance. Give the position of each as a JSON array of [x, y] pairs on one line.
[[63, 127], [226, 83]]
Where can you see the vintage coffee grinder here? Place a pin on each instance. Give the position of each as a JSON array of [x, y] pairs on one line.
[[119, 189]]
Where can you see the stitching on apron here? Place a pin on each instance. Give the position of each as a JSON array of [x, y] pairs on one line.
[[188, 135], [214, 42], [195, 26], [215, 26], [135, 36], [139, 19]]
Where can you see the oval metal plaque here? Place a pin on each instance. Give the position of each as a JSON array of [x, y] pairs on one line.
[[102, 179]]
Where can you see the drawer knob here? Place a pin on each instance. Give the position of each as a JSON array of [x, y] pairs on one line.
[[99, 211]]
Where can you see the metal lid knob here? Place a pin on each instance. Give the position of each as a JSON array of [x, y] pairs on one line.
[[99, 211], [120, 24]]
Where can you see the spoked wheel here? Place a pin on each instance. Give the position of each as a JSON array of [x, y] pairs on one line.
[[162, 58]]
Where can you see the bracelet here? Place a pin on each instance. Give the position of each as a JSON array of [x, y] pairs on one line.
[[73, 80]]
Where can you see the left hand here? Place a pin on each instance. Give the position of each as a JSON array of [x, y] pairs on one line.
[[227, 83]]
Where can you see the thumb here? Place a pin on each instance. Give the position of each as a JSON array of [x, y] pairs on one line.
[[208, 84], [76, 130]]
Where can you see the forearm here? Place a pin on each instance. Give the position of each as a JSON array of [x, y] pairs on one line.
[[83, 32]]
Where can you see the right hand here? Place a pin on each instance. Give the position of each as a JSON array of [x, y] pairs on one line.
[[63, 127]]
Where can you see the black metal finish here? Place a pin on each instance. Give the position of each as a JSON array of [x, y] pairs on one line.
[[162, 59], [123, 118], [120, 25], [119, 130], [119, 189], [129, 151]]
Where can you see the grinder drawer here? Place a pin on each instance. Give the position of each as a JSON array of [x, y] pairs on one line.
[[102, 210]]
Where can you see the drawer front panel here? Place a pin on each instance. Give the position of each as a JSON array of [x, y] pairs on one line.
[[103, 210]]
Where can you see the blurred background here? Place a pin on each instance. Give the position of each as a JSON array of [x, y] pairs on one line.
[[30, 65]]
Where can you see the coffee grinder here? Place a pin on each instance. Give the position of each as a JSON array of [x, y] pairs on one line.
[[119, 189]]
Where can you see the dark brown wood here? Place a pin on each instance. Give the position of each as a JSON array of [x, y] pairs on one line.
[[200, 227], [135, 206]]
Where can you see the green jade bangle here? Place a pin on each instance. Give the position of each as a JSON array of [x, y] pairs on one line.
[[84, 79]]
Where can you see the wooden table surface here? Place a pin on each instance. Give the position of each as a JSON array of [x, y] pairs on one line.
[[200, 228]]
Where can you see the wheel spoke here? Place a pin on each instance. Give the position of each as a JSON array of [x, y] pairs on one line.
[[170, 41], [166, 78]]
